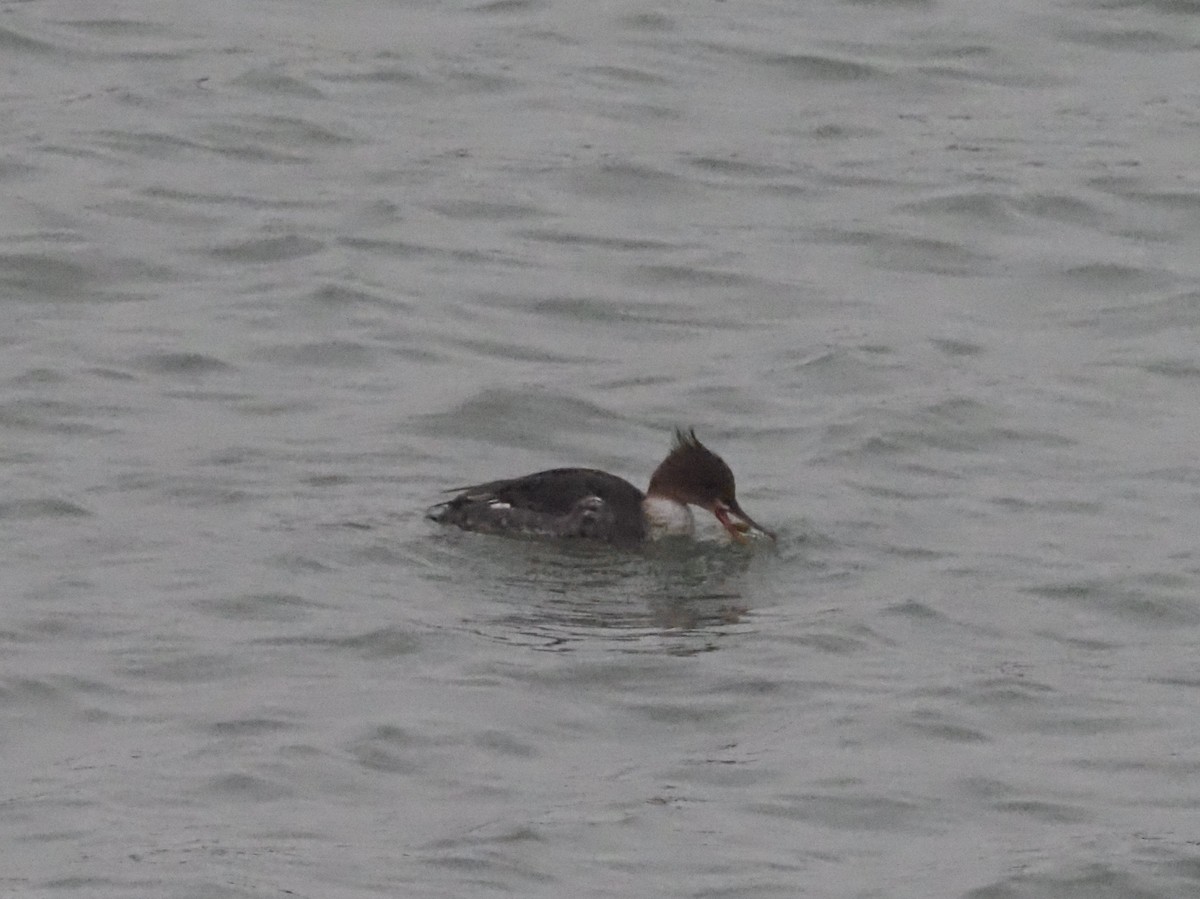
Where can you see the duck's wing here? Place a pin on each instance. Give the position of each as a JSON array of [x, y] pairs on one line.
[[562, 501], [555, 492]]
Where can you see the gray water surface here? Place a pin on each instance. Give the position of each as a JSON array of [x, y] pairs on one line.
[[274, 275]]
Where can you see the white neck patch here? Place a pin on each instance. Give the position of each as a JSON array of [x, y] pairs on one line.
[[668, 518]]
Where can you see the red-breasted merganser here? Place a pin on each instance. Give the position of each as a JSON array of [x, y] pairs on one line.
[[596, 505]]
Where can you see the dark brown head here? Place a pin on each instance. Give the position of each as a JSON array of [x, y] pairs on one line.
[[694, 474]]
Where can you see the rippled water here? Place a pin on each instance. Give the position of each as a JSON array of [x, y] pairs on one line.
[[274, 275]]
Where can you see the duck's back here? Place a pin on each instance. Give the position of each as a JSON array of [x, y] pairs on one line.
[[562, 502]]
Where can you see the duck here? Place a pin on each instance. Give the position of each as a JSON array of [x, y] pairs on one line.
[[594, 505]]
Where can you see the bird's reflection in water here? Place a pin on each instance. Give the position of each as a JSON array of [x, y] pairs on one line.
[[676, 597]]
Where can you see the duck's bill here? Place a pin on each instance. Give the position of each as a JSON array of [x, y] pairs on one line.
[[739, 529]]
